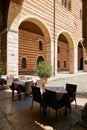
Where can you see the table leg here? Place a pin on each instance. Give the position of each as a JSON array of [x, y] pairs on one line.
[[13, 94], [19, 92]]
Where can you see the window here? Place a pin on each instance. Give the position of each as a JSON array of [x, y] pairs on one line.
[[23, 62], [39, 59], [58, 64], [40, 45], [62, 2], [64, 64], [69, 5], [66, 4], [58, 49]]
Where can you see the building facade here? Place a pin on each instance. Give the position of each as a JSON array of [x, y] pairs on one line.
[[42, 30]]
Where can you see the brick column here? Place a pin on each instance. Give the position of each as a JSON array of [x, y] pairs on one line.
[[71, 60], [12, 52]]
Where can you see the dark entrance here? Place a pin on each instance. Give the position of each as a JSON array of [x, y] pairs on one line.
[[40, 58], [81, 63]]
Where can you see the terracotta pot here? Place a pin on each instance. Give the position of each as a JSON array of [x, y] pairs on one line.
[[44, 82]]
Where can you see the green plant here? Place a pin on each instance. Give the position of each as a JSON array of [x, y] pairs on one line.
[[2, 71], [44, 69]]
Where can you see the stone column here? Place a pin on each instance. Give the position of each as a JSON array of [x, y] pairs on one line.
[[52, 56], [73, 60], [3, 45], [56, 58], [12, 52]]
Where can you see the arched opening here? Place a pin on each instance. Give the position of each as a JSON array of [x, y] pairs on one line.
[[80, 56], [32, 42], [39, 59], [65, 53]]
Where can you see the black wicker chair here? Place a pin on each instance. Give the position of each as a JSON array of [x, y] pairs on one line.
[[71, 89], [52, 102], [36, 94]]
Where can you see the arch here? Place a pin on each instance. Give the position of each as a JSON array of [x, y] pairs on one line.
[[80, 55], [32, 51], [39, 22], [68, 36], [32, 30], [66, 55], [81, 42]]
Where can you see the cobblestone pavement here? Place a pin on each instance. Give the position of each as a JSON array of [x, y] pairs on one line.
[[18, 115]]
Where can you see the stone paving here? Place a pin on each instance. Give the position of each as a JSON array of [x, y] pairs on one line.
[[18, 115]]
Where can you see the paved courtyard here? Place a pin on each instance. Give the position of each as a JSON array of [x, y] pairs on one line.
[[18, 115]]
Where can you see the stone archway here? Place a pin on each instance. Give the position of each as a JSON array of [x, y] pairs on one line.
[[34, 42], [39, 30], [66, 57]]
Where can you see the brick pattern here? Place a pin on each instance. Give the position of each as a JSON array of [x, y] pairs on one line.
[[29, 48], [63, 56], [41, 12]]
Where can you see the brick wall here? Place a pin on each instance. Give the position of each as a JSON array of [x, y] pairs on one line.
[[63, 56], [29, 48], [41, 12]]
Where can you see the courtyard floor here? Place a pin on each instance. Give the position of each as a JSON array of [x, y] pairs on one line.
[[18, 115]]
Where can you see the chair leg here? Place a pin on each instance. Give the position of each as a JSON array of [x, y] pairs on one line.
[[75, 103], [56, 116]]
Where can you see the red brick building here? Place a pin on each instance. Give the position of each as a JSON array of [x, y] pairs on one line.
[[48, 30]]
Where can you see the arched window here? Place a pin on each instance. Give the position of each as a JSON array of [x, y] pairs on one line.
[[66, 3], [69, 5], [23, 62], [62, 2], [39, 59], [40, 45]]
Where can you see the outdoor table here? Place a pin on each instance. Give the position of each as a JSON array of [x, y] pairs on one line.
[[19, 86], [61, 93], [59, 90], [3, 81]]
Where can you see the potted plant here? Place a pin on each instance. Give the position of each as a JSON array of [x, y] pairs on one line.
[[44, 71], [2, 71]]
